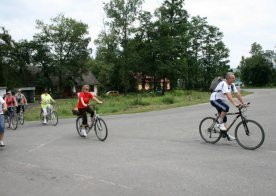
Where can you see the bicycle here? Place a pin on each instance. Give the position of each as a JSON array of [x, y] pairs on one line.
[[11, 119], [20, 115], [97, 122], [249, 134], [51, 116]]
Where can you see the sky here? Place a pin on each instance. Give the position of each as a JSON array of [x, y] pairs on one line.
[[242, 22]]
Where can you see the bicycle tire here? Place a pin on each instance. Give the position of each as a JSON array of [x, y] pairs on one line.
[[8, 122], [21, 117], [54, 118], [13, 122], [101, 129], [256, 136], [209, 134], [41, 117], [78, 125]]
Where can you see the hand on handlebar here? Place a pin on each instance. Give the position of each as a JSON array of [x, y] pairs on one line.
[[243, 105]]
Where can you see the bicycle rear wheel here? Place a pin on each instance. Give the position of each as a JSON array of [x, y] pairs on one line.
[[101, 129], [249, 134], [207, 130], [78, 125], [54, 118]]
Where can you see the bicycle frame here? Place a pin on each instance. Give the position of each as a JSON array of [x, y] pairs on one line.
[[238, 115]]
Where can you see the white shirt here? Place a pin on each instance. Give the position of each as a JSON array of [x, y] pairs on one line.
[[221, 89], [1, 105]]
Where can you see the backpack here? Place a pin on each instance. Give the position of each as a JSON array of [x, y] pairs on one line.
[[214, 83]]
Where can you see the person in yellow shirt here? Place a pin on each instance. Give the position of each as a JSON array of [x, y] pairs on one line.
[[46, 100]]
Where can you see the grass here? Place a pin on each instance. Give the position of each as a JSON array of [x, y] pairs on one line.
[[132, 103]]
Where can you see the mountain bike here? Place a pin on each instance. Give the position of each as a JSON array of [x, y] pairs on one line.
[[51, 116], [96, 122], [11, 118], [249, 134]]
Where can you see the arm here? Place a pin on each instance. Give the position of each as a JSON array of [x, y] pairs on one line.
[[82, 102], [53, 100], [240, 98], [97, 100], [230, 98], [5, 106], [25, 100], [15, 102]]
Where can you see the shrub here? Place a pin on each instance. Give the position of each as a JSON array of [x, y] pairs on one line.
[[168, 100]]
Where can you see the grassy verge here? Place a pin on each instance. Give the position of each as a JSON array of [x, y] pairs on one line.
[[132, 103]]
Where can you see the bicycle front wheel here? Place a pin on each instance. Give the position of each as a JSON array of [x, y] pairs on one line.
[[249, 134], [13, 122], [207, 130], [54, 118], [21, 117], [101, 129]]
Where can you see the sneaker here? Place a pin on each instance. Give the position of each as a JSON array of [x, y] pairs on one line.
[[221, 126], [230, 137], [83, 132], [2, 143], [227, 136]]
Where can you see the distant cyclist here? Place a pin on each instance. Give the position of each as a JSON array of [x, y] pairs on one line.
[[46, 100], [218, 100], [10, 101], [21, 100], [83, 106]]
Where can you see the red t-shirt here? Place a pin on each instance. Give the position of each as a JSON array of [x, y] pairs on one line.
[[86, 98], [10, 101]]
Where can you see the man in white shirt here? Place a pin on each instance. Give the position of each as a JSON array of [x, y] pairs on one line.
[[218, 99], [3, 107]]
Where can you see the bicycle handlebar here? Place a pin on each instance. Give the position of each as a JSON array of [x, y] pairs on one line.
[[243, 106]]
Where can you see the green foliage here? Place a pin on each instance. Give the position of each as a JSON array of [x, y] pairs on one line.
[[168, 99], [258, 69], [131, 103], [64, 44]]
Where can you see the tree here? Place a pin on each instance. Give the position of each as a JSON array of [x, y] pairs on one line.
[[66, 44], [122, 16], [257, 70], [173, 41], [6, 45]]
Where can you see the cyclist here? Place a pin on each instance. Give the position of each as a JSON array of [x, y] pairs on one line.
[[10, 101], [46, 100], [83, 106], [3, 107], [218, 100], [21, 101]]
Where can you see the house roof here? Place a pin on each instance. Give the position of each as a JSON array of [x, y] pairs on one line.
[[86, 78]]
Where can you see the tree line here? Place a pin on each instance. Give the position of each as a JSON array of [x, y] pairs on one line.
[[134, 47]]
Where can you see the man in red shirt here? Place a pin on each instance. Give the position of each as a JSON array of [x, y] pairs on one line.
[[83, 106]]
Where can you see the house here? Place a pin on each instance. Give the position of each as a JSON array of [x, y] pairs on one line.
[[73, 86], [85, 78], [3, 91]]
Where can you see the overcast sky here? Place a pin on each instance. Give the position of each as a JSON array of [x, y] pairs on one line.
[[242, 22]]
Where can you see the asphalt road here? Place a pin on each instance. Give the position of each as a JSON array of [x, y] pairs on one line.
[[154, 153]]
